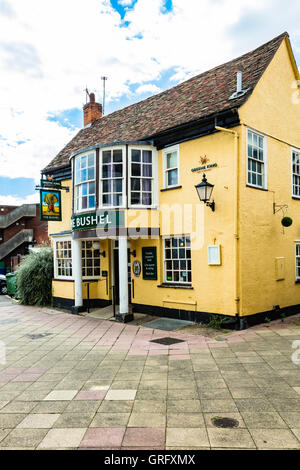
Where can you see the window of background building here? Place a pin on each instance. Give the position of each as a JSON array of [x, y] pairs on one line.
[[112, 176], [63, 258], [90, 260], [256, 160], [141, 177], [85, 187], [171, 167], [296, 173], [177, 260]]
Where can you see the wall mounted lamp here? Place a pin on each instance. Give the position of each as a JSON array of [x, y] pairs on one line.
[[133, 253], [96, 246], [204, 190]]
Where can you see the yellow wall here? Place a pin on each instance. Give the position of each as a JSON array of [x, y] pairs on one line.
[[212, 285], [262, 239], [270, 110]]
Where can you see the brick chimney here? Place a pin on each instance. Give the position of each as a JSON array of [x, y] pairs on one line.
[[91, 111]]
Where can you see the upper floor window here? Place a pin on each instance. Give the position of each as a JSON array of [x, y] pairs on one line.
[[112, 178], [256, 160], [296, 173], [171, 167], [297, 253], [141, 177], [63, 258], [177, 262], [85, 187]]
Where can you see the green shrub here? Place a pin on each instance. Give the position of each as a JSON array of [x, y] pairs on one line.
[[216, 321], [34, 278]]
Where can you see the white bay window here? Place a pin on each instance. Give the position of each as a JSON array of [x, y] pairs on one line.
[[85, 187], [112, 178], [141, 177]]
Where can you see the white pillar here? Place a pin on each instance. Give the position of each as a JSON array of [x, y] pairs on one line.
[[123, 276], [77, 271]]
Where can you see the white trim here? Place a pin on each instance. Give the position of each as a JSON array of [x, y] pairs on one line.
[[293, 150], [86, 267], [154, 177], [264, 161], [62, 238], [76, 186], [174, 148], [124, 164], [170, 237], [296, 257]]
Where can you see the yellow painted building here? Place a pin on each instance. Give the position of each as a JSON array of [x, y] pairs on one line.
[[138, 229]]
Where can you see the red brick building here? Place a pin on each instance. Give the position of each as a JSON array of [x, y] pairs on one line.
[[20, 229]]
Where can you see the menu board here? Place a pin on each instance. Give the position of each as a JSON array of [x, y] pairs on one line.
[[149, 263]]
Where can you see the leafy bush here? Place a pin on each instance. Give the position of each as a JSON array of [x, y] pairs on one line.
[[34, 278]]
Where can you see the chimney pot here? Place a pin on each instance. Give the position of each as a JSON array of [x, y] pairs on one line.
[[91, 111], [239, 83]]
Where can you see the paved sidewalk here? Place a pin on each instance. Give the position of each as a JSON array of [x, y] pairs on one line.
[[90, 383]]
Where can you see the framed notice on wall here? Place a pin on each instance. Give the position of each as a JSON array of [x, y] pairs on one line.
[[149, 261], [214, 255]]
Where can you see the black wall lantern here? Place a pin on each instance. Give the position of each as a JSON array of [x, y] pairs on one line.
[[204, 190]]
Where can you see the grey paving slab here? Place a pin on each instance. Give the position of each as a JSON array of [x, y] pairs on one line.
[[70, 391]]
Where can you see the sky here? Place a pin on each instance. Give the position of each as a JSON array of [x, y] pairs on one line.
[[51, 50]]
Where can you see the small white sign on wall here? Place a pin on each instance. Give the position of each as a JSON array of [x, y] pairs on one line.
[[214, 255]]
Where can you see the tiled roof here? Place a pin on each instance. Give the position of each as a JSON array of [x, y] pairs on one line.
[[196, 98]]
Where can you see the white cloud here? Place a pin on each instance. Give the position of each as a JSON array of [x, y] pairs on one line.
[[125, 3], [18, 201], [51, 49], [148, 88]]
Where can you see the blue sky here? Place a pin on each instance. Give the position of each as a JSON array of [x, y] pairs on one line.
[[142, 46]]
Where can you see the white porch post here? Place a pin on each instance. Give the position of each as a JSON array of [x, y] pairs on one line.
[[123, 277], [77, 271]]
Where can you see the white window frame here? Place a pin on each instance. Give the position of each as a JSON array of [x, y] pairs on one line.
[[77, 185], [111, 148], [154, 177], [293, 151], [55, 258], [297, 244], [166, 281], [264, 162], [174, 148], [82, 267]]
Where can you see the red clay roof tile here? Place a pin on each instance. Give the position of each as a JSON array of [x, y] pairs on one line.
[[196, 98]]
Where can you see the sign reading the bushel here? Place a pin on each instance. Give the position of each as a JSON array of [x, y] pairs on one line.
[[149, 263], [50, 205], [100, 220]]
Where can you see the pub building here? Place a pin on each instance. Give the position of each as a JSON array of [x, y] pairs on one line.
[[186, 204]]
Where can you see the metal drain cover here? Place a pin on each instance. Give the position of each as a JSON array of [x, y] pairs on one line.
[[38, 336], [167, 341], [225, 422]]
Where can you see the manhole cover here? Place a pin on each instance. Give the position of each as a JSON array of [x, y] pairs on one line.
[[225, 422], [167, 341], [38, 336], [5, 322]]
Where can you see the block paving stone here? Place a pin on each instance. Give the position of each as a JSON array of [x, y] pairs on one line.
[[96, 384]]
